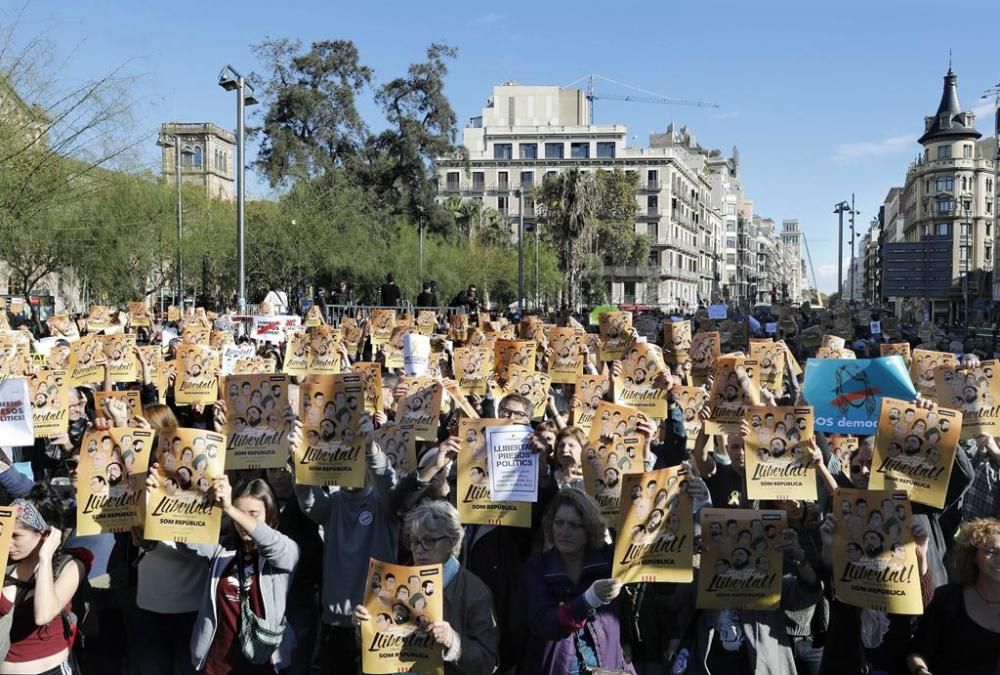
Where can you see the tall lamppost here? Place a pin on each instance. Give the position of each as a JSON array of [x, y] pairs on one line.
[[840, 209], [520, 251], [165, 141], [966, 251], [231, 80]]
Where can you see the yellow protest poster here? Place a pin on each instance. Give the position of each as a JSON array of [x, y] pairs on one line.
[[975, 393], [734, 388], [616, 334], [790, 359], [426, 321], [371, 381], [324, 351], [473, 366], [382, 322], [138, 315], [195, 334], [60, 325], [119, 355], [777, 467], [421, 406], [181, 507], [217, 339], [691, 401], [256, 431], [402, 602], [393, 349], [159, 370], [741, 566], [923, 366], [314, 317], [590, 391], [58, 358], [333, 450], [706, 347], [98, 318], [533, 385], [531, 328], [833, 342], [458, 327], [351, 334], [874, 556], [49, 394], [297, 354], [677, 342], [915, 450], [112, 479], [131, 398], [642, 364], [15, 357], [8, 516], [173, 313], [513, 352], [473, 485], [771, 357], [615, 447], [843, 447], [566, 363], [900, 348], [399, 444], [655, 541], [86, 361], [196, 381]]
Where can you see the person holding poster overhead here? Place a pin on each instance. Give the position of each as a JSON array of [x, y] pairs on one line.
[[572, 600]]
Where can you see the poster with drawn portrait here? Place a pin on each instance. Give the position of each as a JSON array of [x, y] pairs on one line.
[[131, 398], [771, 357], [458, 327], [15, 356], [58, 358], [323, 356], [393, 349], [843, 447], [531, 328], [111, 479], [351, 334], [590, 391], [426, 321], [778, 462], [901, 348], [371, 381], [194, 333], [138, 315], [60, 325], [314, 317], [531, 384], [49, 394], [402, 602], [399, 444], [741, 564], [615, 447], [874, 556], [677, 342], [421, 406], [98, 318], [86, 361], [975, 393], [642, 363], [736, 386], [333, 449], [706, 347], [297, 354], [8, 516], [473, 480], [256, 430], [380, 325], [473, 366], [159, 370], [513, 352], [119, 356], [692, 401], [218, 339], [616, 334], [915, 450], [566, 363], [923, 367], [655, 541], [196, 381]]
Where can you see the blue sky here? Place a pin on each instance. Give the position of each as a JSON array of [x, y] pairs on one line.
[[822, 98]]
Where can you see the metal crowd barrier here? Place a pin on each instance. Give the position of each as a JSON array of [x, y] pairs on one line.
[[334, 313]]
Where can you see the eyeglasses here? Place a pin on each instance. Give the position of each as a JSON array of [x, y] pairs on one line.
[[508, 414], [425, 542], [560, 523]]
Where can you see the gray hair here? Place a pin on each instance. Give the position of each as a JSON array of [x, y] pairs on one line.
[[436, 517]]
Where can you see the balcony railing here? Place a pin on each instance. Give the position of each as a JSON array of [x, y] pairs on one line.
[[680, 273], [636, 271], [650, 186], [650, 212]]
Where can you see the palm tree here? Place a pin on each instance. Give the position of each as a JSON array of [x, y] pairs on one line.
[[568, 204], [469, 218]]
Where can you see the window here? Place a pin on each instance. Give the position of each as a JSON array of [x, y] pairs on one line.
[[503, 151], [944, 184], [730, 209], [579, 150], [554, 150], [942, 229], [197, 160], [654, 258], [943, 205], [963, 253], [652, 202], [989, 185], [605, 149], [989, 207], [502, 181], [965, 229], [550, 174], [927, 185], [478, 180], [502, 205], [944, 152], [986, 252], [528, 150], [453, 181], [527, 179], [967, 151], [730, 242]]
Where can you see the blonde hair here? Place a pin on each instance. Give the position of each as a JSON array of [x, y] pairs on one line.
[[160, 416], [586, 507], [435, 516], [974, 535]]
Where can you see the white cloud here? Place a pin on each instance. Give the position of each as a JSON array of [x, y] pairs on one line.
[[487, 19], [891, 145], [984, 111], [729, 114]]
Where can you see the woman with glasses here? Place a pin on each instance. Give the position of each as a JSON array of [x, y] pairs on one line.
[[468, 633], [959, 632], [572, 606]]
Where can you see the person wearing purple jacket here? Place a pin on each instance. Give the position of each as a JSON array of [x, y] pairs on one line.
[[571, 598]]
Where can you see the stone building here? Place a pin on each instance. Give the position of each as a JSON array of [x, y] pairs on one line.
[[208, 154]]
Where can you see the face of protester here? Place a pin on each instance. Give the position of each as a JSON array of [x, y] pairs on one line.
[[77, 403], [861, 463], [252, 507], [23, 542], [568, 531], [438, 551]]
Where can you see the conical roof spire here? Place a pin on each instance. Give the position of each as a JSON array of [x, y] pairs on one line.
[[949, 121]]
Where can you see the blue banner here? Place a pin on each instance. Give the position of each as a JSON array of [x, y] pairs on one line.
[[846, 394]]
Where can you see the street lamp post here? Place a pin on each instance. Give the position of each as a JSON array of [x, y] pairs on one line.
[[965, 254], [167, 140], [520, 252], [840, 209], [538, 297], [231, 80]]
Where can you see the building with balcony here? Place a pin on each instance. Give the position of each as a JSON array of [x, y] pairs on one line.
[[208, 154], [792, 277]]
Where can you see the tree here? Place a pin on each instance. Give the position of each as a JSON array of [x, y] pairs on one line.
[[568, 203]]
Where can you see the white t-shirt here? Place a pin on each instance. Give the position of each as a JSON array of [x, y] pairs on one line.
[[278, 300]]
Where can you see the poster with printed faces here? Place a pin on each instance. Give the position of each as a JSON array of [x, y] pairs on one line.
[[833, 342], [641, 365], [158, 369], [112, 479], [393, 349], [615, 447], [15, 358], [131, 398], [217, 339], [195, 334], [426, 321], [256, 430], [119, 355], [901, 348], [297, 354], [351, 334], [843, 447], [531, 328], [790, 359], [49, 394], [421, 406], [181, 507], [314, 317], [458, 327], [874, 556], [513, 352], [255, 365], [835, 353], [778, 465], [196, 381], [402, 602], [473, 366], [380, 325], [86, 361], [655, 541], [975, 393], [566, 363], [705, 349], [236, 357], [691, 401], [473, 473], [735, 387], [58, 358], [333, 450], [924, 366], [590, 391], [173, 313], [399, 444], [533, 385], [741, 566], [324, 351], [98, 318], [915, 450], [616, 334], [771, 357], [677, 341], [138, 315], [371, 382], [60, 325], [8, 516]]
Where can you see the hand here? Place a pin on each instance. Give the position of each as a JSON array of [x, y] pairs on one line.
[[361, 614], [745, 429], [219, 416], [380, 419], [698, 490], [648, 427], [153, 477], [295, 437], [117, 410], [812, 451], [50, 544], [616, 369], [925, 403], [607, 590], [61, 439], [223, 491], [988, 444], [442, 632], [969, 361], [767, 397], [367, 429], [791, 545], [922, 540], [664, 380], [826, 530]]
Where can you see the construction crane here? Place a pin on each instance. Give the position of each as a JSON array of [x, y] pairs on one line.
[[819, 298], [647, 96]]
